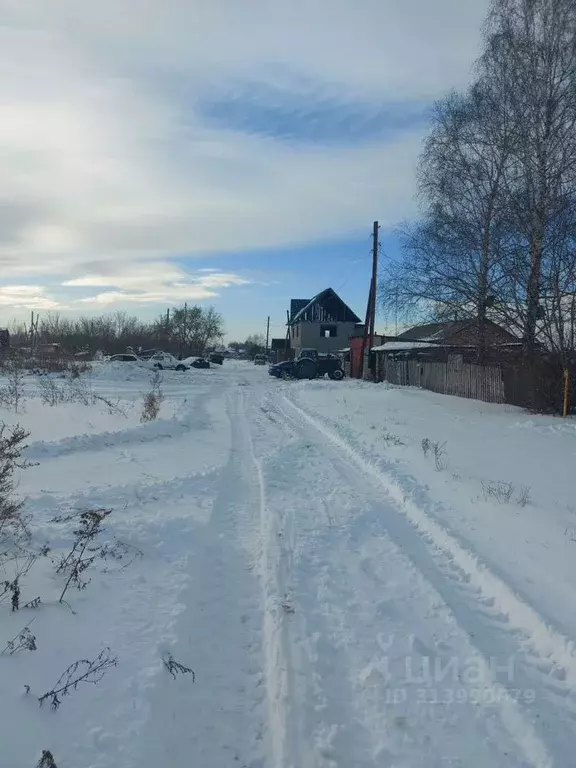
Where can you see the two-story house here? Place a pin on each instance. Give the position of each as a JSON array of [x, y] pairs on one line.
[[324, 323]]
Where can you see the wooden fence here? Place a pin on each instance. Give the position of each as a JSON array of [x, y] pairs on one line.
[[451, 378]]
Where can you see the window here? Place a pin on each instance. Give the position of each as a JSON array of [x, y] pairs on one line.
[[328, 331]]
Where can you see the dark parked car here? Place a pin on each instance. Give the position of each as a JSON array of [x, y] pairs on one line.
[[309, 365], [216, 357], [200, 363]]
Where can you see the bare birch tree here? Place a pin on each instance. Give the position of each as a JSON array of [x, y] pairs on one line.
[[532, 46], [497, 238], [452, 257]]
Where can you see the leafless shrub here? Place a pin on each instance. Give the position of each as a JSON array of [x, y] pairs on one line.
[[439, 451], [82, 671], [152, 400], [150, 407], [80, 391], [175, 668], [24, 641], [120, 550], [19, 566], [114, 407], [87, 550], [51, 393], [34, 603], [47, 760], [501, 492], [391, 439], [74, 390], [524, 498], [84, 551], [12, 394], [287, 605], [12, 445], [65, 518]]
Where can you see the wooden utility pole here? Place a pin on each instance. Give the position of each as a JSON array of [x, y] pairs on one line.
[[34, 319], [267, 332], [368, 341], [374, 283]]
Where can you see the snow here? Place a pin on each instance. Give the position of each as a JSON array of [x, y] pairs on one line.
[[393, 346], [344, 598]]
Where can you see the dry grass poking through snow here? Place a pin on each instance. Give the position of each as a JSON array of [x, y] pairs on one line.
[[152, 400]]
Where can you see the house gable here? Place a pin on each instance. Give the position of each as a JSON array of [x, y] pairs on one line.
[[327, 307]]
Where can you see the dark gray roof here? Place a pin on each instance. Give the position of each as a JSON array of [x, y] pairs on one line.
[[439, 333], [326, 296], [433, 331], [296, 305]]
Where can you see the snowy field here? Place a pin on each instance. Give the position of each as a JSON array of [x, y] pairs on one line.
[[358, 575]]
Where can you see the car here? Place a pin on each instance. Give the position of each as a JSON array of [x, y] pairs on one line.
[[216, 357], [309, 365], [260, 360], [196, 362], [146, 354], [164, 360], [283, 370], [200, 363]]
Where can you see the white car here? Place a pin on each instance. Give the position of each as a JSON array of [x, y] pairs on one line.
[[164, 360]]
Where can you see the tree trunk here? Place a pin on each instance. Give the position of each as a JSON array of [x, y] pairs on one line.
[[533, 295]]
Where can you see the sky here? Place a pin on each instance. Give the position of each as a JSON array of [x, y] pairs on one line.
[[232, 153]]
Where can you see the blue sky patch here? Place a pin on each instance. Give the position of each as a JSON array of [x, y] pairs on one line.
[[300, 117]]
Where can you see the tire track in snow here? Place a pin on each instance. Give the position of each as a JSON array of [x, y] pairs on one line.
[[310, 720], [518, 616], [545, 642], [218, 720], [278, 661]]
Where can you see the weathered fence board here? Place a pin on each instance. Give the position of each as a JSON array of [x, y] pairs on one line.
[[452, 378]]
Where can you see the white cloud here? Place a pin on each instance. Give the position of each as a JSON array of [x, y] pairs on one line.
[[153, 283], [107, 160], [108, 298], [26, 297]]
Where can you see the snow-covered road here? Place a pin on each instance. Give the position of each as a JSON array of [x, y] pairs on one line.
[[333, 614]]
